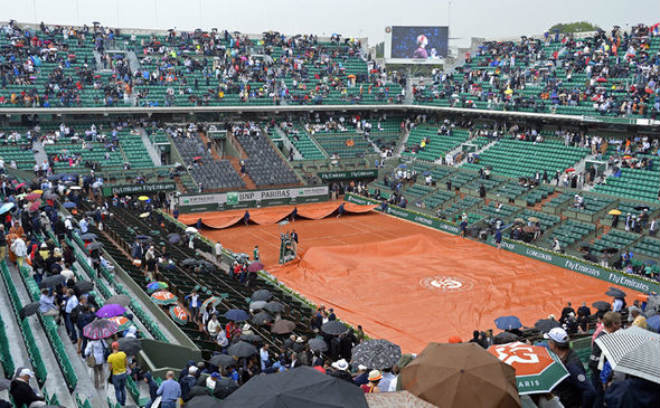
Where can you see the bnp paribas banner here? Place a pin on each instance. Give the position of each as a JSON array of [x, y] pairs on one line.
[[249, 199]]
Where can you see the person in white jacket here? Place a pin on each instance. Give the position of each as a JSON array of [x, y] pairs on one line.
[[96, 349], [20, 250]]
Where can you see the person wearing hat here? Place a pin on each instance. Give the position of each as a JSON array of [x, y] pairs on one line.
[[372, 386], [22, 393], [153, 388], [340, 370], [575, 390], [117, 363]]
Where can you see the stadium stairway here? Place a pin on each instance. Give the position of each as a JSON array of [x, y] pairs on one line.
[[235, 163], [153, 154]]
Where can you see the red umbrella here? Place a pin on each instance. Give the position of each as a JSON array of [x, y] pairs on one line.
[[570, 170], [35, 206], [197, 158], [601, 79], [32, 196], [20, 185]]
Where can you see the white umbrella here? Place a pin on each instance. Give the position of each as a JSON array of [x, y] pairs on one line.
[[633, 351], [191, 230]]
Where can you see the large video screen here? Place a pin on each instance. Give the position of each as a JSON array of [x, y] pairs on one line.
[[419, 43]]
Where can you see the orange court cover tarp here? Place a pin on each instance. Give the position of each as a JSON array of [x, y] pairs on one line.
[[271, 215], [411, 284]]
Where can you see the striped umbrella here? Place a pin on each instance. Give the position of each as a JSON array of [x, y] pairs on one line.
[[155, 286], [179, 314], [123, 323], [163, 297], [100, 329], [213, 300], [633, 351]]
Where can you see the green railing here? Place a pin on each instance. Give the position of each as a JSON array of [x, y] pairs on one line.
[[5, 353]]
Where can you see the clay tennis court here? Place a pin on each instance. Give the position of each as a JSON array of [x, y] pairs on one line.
[[404, 282]]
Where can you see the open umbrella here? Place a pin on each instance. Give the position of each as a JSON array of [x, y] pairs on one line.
[[317, 344], [609, 250], [174, 238], [83, 287], [224, 387], [191, 230], [283, 326], [203, 401], [110, 310], [189, 262], [28, 310], [258, 305], [222, 360], [251, 338], [262, 318], [143, 198], [653, 323], [119, 300], [52, 281], [438, 372], [508, 323], [213, 300], [633, 351], [179, 314], [88, 236], [242, 349], [615, 292], [35, 206], [538, 370], [163, 298], [274, 307], [334, 328], [614, 212], [262, 294], [399, 399], [32, 196], [642, 208], [504, 337], [570, 170], [130, 346], [155, 286], [144, 214], [69, 205], [255, 267], [94, 245], [545, 325], [601, 306], [123, 322], [100, 329], [298, 387], [376, 354], [236, 315], [6, 207], [533, 219]]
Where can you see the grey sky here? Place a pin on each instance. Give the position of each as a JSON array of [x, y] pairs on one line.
[[478, 18]]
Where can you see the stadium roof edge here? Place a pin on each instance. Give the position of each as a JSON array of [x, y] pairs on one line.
[[325, 108]]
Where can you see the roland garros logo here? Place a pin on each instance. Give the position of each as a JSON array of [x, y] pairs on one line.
[[447, 283]]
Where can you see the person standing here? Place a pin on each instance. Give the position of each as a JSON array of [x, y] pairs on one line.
[[70, 303], [19, 249], [3, 243], [117, 362], [611, 323], [498, 238], [170, 391], [255, 253], [294, 241], [96, 350]]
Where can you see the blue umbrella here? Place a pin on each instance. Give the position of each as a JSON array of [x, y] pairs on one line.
[[508, 323], [69, 204], [6, 207], [403, 165], [654, 323], [236, 315]]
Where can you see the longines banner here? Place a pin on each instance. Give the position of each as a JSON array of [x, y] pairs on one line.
[[541, 254], [249, 199]]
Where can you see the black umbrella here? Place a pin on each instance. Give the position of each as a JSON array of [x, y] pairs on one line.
[[301, 387], [609, 250], [274, 307], [242, 349], [88, 236], [283, 326], [202, 398], [376, 354], [642, 208], [251, 338], [130, 346], [262, 318], [83, 287], [334, 328], [545, 325], [224, 387], [52, 281], [317, 344], [29, 310], [119, 300], [222, 360], [615, 292], [189, 262], [601, 306], [261, 294], [504, 337], [94, 245]]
